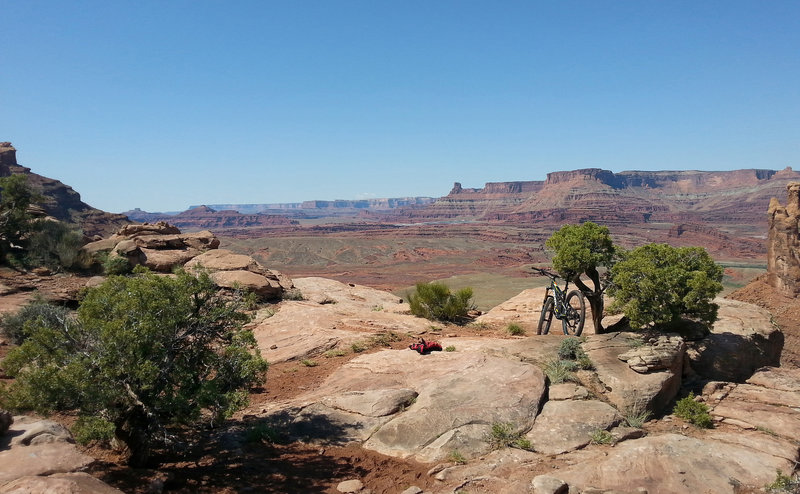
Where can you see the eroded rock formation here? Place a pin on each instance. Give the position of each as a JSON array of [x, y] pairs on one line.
[[783, 248], [60, 200]]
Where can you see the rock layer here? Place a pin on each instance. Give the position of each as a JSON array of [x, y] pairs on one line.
[[783, 248]]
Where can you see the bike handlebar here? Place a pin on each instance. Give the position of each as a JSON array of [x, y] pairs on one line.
[[545, 272]]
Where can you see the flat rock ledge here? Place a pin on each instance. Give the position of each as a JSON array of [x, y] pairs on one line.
[[40, 456]]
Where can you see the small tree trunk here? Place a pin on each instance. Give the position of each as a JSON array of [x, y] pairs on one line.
[[595, 298]]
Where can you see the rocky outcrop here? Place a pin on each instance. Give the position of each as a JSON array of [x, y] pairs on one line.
[[783, 248], [160, 247], [742, 340], [39, 456], [8, 158], [627, 388], [230, 270], [60, 200]]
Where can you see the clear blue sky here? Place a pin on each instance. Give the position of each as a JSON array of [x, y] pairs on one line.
[[164, 104]]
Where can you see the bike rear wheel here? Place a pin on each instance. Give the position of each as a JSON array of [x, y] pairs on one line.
[[546, 317], [575, 316]]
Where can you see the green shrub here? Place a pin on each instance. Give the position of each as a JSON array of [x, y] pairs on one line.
[[636, 414], [17, 325], [456, 457], [601, 436], [145, 352], [560, 371], [293, 294], [53, 244], [693, 411], [783, 484], [503, 435], [358, 347], [659, 284], [309, 362], [261, 433], [570, 349], [116, 265], [515, 329], [523, 443], [435, 302], [335, 352], [88, 429], [450, 348]]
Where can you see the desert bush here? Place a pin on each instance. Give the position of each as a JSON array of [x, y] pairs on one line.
[[570, 351], [450, 348], [659, 284], [15, 220], [358, 347], [261, 433], [515, 329], [503, 435], [434, 301], [560, 371], [116, 265], [783, 484], [385, 339], [88, 429], [335, 352], [601, 436], [17, 325], [53, 244], [456, 457], [145, 352], [636, 414], [693, 411], [293, 294], [309, 362]]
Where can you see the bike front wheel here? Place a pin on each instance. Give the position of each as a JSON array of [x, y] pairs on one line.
[[575, 316], [546, 317]]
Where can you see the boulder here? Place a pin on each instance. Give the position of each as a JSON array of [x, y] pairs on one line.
[[566, 425], [160, 228], [622, 386], [459, 395], [40, 459], [664, 352], [59, 483], [160, 246], [165, 261], [742, 340], [6, 419], [768, 402], [230, 270], [40, 432], [672, 463]]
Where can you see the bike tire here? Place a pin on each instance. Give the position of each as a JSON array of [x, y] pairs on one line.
[[573, 322], [546, 317]]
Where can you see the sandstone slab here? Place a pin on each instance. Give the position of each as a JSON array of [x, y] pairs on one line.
[[673, 463], [60, 483], [459, 395], [742, 340], [624, 387], [566, 425]]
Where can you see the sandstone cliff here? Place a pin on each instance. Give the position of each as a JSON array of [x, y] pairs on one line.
[[783, 259], [204, 217], [731, 201], [61, 201]]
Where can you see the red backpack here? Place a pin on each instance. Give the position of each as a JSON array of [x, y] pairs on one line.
[[424, 347]]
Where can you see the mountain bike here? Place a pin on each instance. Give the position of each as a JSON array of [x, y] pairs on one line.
[[567, 306]]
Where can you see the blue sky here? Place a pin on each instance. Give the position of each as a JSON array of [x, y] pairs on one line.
[[164, 104]]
